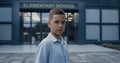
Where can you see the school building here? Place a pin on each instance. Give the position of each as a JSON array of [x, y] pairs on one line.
[[87, 21]]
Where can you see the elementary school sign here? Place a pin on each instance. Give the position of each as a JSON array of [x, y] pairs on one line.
[[36, 5]]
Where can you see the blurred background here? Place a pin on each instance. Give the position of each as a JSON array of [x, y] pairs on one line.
[[88, 21], [23, 24]]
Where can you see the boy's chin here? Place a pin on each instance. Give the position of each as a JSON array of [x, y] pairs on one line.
[[59, 34]]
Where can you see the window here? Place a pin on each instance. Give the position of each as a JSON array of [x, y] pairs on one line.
[[104, 28], [93, 28], [5, 14], [5, 32], [5, 23], [110, 16], [92, 32], [110, 32], [92, 15]]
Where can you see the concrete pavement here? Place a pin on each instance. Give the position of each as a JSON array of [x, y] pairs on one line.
[[78, 54]]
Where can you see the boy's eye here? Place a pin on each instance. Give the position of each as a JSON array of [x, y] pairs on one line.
[[56, 22], [63, 22]]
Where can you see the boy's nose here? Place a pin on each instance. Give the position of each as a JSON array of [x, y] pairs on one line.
[[60, 25]]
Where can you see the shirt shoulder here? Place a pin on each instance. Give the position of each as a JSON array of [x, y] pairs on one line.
[[45, 42]]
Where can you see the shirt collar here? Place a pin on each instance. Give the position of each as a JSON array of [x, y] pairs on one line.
[[54, 40]]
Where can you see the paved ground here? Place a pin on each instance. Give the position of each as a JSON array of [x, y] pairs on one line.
[[77, 53]]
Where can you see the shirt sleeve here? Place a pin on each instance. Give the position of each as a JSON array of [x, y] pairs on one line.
[[42, 55], [67, 55]]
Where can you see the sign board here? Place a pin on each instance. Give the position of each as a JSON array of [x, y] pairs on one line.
[[36, 5]]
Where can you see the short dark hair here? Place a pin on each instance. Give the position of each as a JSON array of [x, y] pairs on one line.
[[55, 11]]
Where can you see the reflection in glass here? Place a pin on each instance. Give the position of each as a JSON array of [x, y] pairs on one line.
[[35, 34], [71, 27], [26, 27], [45, 18], [35, 27], [45, 29], [26, 17], [26, 33], [35, 17]]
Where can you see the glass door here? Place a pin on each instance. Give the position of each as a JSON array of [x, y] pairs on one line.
[[26, 27], [45, 28], [70, 33], [31, 27], [34, 27]]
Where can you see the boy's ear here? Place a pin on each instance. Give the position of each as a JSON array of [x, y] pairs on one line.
[[49, 24]]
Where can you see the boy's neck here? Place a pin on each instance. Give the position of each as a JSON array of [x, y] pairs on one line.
[[56, 36]]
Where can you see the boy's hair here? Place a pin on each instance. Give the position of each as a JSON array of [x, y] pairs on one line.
[[55, 11]]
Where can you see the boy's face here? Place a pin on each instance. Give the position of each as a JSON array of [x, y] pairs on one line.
[[57, 24]]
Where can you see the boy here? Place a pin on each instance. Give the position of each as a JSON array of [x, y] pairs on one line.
[[53, 49]]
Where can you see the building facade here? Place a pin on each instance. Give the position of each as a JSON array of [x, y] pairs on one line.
[[87, 21]]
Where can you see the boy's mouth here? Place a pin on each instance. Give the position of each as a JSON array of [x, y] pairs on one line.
[[60, 29]]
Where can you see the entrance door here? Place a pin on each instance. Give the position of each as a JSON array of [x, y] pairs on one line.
[[34, 27], [31, 31], [70, 33]]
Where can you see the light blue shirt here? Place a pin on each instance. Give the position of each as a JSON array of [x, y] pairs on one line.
[[50, 50]]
